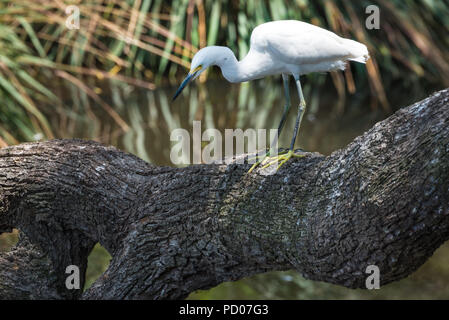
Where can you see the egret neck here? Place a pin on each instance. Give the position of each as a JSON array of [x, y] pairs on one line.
[[249, 68]]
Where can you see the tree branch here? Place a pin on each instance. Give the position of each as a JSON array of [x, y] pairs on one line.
[[383, 200]]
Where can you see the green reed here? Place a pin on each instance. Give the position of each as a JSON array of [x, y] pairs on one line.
[[144, 43]]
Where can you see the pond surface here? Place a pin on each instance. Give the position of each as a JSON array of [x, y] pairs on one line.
[[152, 116]]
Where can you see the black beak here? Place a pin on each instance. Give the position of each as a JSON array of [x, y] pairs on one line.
[[183, 84]]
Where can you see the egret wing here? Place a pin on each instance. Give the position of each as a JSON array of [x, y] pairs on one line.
[[295, 42]]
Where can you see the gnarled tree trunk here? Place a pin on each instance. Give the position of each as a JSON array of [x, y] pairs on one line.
[[383, 200]]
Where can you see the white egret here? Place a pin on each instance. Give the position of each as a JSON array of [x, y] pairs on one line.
[[286, 47]]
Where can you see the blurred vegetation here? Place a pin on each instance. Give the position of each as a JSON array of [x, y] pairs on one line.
[[146, 42], [111, 81], [8, 240], [98, 262]]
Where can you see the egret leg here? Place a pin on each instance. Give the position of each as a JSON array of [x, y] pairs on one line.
[[281, 124], [285, 113], [301, 109]]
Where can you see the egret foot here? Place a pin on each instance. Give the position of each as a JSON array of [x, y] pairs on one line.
[[264, 157], [258, 155], [258, 162], [271, 160], [282, 158]]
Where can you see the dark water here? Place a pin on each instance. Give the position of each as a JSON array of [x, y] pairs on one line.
[[152, 116]]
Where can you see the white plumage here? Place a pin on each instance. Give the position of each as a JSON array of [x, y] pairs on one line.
[[303, 48], [286, 47]]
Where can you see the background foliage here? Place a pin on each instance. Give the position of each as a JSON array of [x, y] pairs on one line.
[[96, 81], [144, 42]]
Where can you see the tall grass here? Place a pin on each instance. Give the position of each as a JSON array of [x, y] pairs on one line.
[[142, 42], [409, 51]]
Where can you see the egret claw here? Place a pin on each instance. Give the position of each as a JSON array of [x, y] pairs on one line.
[[265, 157], [283, 158]]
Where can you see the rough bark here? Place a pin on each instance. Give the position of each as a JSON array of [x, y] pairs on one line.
[[383, 200]]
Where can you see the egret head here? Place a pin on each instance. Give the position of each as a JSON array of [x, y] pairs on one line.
[[204, 58]]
